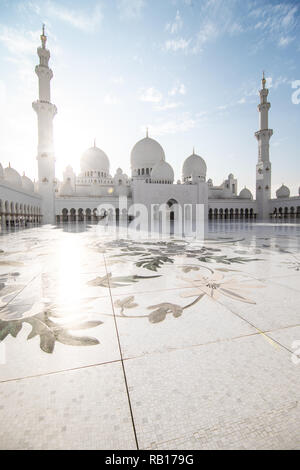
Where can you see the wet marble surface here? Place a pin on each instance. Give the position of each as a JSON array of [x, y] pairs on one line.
[[110, 340]]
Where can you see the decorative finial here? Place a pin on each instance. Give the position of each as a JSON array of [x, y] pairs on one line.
[[263, 80], [147, 132], [8, 164], [94, 142], [193, 150], [43, 37]]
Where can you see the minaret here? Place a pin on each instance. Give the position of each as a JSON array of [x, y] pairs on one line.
[[45, 153], [263, 167]]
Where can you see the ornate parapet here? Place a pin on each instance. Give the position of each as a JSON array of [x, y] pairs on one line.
[[40, 105], [43, 71], [263, 134]]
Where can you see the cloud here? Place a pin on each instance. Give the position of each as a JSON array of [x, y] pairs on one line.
[[285, 41], [215, 18], [275, 21], [277, 82], [150, 95], [207, 33], [268, 22], [19, 42], [275, 17], [118, 80], [21, 46], [2, 93], [131, 9], [178, 89], [86, 20], [168, 105], [180, 44], [182, 123], [176, 25], [111, 99]]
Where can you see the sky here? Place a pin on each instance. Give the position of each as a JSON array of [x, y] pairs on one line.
[[189, 70]]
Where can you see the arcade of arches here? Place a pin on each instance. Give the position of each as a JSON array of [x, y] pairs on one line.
[[14, 213], [284, 212], [92, 215]]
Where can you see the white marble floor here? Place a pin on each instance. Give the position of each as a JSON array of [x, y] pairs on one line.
[[113, 342]]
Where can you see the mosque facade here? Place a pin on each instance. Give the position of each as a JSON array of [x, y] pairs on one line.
[[78, 196]]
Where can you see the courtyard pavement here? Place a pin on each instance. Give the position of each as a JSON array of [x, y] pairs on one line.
[[109, 341]]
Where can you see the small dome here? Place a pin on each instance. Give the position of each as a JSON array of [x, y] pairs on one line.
[[27, 184], [283, 191], [1, 172], [194, 167], [12, 176], [94, 159], [230, 176], [162, 171], [245, 194], [66, 188], [146, 153], [210, 182]]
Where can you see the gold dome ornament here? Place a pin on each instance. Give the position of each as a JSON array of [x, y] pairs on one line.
[[43, 37], [264, 81]]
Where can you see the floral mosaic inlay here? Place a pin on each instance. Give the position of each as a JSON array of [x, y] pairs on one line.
[[216, 270]]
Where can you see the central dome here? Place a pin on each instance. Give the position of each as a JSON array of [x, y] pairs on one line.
[[146, 153], [94, 159]]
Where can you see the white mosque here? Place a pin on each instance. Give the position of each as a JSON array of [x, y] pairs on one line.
[[77, 197]]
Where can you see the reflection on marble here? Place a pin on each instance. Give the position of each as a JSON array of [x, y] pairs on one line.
[[205, 331]]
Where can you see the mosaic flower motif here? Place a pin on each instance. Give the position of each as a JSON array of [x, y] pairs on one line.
[[217, 286]]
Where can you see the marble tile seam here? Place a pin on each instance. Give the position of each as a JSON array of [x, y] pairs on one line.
[[200, 345], [18, 293], [259, 330], [72, 369], [122, 363], [139, 356]]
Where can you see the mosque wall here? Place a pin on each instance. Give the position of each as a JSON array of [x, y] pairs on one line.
[[18, 203]]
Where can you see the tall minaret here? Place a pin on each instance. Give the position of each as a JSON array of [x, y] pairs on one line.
[[45, 153], [263, 167]]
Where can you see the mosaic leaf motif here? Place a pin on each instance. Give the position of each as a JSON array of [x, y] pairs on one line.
[[161, 310], [224, 259], [9, 328], [154, 262], [125, 303], [155, 254], [119, 281], [49, 331]]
